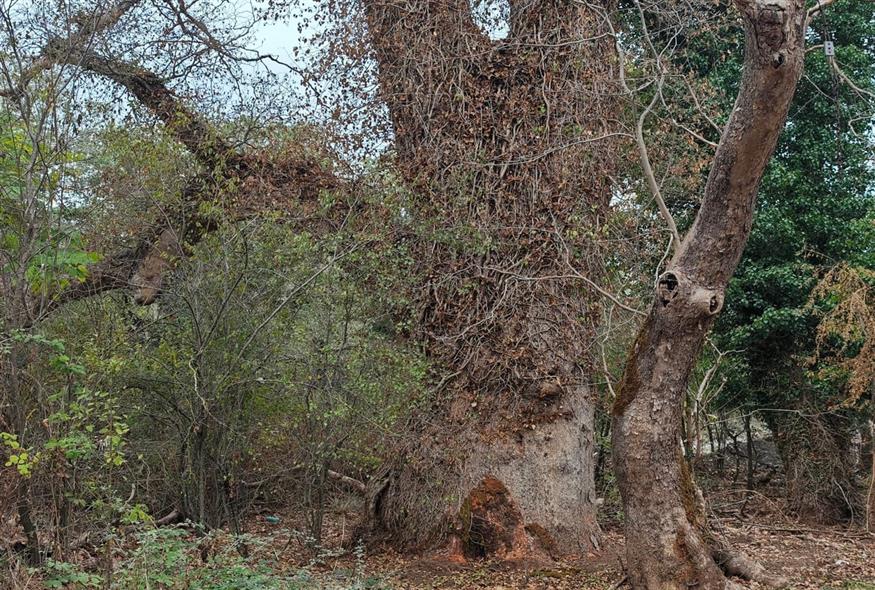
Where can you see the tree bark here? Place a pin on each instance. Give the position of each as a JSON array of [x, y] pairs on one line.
[[492, 136], [507, 145], [870, 492], [668, 541], [34, 554]]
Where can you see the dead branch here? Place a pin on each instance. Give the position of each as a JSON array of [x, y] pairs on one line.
[[351, 482]]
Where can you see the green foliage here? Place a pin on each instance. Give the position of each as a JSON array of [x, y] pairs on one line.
[[57, 575], [816, 210], [268, 350], [37, 230], [55, 271], [23, 459], [89, 420], [84, 419], [81, 444], [175, 559]]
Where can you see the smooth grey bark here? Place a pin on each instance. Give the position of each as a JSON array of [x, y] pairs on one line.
[[669, 543]]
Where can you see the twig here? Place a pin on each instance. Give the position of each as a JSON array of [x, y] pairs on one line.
[[861, 92], [818, 8]]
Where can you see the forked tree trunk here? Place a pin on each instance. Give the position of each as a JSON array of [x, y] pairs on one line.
[[669, 545], [507, 146]]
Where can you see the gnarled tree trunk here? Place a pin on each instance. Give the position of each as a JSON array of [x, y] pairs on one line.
[[669, 544], [507, 146]]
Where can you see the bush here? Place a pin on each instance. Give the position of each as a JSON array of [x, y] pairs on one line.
[[177, 559]]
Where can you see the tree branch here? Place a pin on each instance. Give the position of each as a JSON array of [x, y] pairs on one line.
[[818, 8], [773, 66], [355, 484], [640, 142], [147, 87], [186, 126], [156, 251], [89, 27], [866, 95]]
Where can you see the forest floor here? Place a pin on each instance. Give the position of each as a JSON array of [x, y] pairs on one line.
[[811, 559], [809, 556]]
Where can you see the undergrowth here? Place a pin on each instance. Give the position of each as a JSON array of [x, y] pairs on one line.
[[176, 559]]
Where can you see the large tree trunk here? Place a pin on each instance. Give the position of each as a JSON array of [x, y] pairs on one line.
[[506, 145], [669, 544]]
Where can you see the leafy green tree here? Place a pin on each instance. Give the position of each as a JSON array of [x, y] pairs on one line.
[[816, 211], [273, 360], [41, 252]]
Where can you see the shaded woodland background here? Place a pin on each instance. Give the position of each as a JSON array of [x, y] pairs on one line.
[[298, 321]]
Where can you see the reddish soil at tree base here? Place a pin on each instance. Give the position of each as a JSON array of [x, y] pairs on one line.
[[811, 558], [832, 558], [492, 524]]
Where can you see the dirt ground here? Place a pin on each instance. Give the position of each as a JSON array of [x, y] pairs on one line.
[[811, 558]]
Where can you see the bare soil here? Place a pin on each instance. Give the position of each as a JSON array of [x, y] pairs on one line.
[[810, 557]]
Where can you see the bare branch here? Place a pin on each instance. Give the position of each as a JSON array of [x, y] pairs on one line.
[[640, 142], [818, 8], [355, 484], [650, 177], [89, 27], [185, 125], [866, 95]]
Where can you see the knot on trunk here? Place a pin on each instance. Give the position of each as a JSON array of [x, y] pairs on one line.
[[769, 23], [676, 289]]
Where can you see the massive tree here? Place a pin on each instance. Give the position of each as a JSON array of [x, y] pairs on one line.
[[508, 146], [669, 542]]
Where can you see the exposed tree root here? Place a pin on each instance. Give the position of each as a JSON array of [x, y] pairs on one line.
[[170, 518], [737, 564]]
